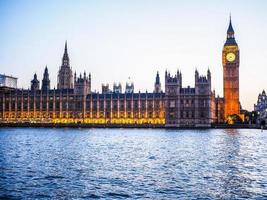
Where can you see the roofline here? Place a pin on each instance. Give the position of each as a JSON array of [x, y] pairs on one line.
[[8, 76]]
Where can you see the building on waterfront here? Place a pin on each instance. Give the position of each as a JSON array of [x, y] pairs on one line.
[[260, 109], [229, 105], [80, 105], [187, 106], [178, 107], [65, 76], [8, 81], [261, 104], [74, 102]]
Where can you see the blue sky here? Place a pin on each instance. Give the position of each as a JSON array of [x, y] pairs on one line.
[[115, 40]]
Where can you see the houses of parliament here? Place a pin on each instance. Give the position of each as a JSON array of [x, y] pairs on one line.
[[74, 102]]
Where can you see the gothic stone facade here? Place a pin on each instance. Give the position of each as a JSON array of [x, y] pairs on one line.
[[188, 107], [178, 107], [65, 76], [261, 104], [65, 106], [229, 105], [74, 102]]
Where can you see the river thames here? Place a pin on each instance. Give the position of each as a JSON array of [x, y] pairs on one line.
[[43, 163]]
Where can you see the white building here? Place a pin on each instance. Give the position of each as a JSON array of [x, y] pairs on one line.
[[8, 81]]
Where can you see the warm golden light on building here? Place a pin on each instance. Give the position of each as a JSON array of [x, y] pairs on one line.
[[73, 102], [55, 106], [230, 61]]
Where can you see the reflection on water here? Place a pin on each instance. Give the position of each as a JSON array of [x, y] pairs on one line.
[[231, 131], [233, 180], [133, 164]]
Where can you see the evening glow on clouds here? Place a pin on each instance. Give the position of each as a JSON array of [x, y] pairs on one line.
[[115, 40]]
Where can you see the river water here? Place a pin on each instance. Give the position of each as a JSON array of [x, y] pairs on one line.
[[43, 163]]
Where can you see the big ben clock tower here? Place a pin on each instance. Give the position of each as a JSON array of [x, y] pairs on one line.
[[230, 60]]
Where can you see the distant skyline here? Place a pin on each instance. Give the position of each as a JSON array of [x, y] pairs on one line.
[[114, 40]]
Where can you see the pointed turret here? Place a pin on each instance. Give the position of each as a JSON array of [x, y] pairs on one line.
[[66, 48], [65, 76], [157, 86], [209, 75], [230, 35], [157, 78], [230, 27], [46, 70], [65, 59], [46, 80], [196, 73], [35, 83]]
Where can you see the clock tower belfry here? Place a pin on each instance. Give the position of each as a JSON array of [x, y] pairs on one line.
[[230, 61]]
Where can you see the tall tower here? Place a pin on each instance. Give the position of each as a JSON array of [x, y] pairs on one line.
[[65, 76], [157, 85], [46, 80], [202, 107], [35, 84], [230, 60], [173, 85]]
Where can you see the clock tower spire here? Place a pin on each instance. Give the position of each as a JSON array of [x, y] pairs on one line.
[[230, 61], [230, 40]]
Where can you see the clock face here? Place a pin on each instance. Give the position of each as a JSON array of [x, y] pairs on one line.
[[230, 57]]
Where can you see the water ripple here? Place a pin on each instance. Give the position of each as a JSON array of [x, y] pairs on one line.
[[132, 164]]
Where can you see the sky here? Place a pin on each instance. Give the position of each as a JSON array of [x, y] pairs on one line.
[[120, 40]]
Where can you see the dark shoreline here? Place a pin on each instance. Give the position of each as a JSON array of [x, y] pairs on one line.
[[79, 125]]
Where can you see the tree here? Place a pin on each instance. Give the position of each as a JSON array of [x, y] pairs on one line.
[[234, 119]]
